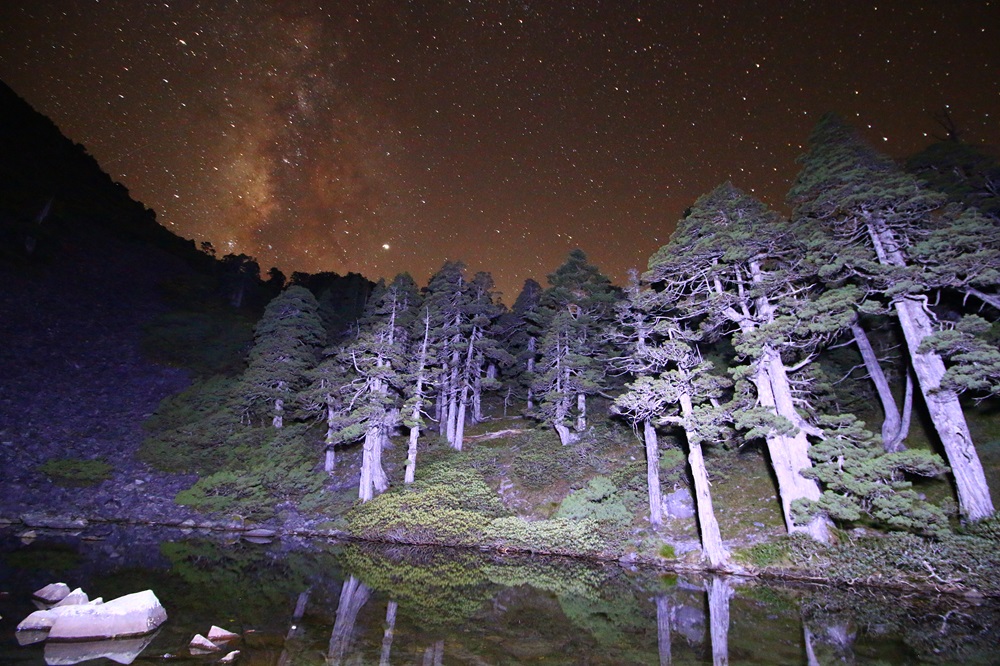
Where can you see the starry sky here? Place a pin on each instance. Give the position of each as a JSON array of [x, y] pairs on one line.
[[381, 136]]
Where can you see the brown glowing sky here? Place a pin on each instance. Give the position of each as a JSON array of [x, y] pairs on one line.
[[382, 136]]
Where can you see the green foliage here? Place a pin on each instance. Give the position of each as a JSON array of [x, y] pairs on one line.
[[971, 348], [765, 554], [860, 479], [568, 536], [598, 501], [667, 552], [77, 471], [267, 468]]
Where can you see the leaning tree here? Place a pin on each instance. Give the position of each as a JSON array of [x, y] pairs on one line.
[[874, 216]]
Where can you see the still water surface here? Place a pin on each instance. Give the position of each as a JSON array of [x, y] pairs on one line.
[[299, 602]]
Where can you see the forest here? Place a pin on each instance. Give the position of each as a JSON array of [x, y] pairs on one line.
[[849, 348]]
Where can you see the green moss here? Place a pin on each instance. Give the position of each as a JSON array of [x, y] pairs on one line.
[[77, 472], [667, 552]]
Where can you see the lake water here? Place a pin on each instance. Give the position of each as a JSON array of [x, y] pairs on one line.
[[301, 602]]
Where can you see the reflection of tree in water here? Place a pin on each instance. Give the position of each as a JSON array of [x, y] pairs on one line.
[[353, 596], [844, 625]]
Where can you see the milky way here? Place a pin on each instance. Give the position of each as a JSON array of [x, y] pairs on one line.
[[385, 136]]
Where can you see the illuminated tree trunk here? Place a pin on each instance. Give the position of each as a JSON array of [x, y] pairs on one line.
[[894, 430], [711, 538], [664, 620], [946, 413], [720, 591], [390, 628], [653, 474], [353, 596]]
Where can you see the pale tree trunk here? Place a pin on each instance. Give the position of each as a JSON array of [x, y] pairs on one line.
[[946, 413], [531, 369], [807, 636], [439, 414], [892, 422], [991, 299], [434, 655], [581, 412], [664, 620], [720, 590], [711, 538], [295, 629], [418, 405], [330, 461], [463, 399], [566, 436], [278, 421], [790, 453], [453, 400], [390, 628], [353, 596], [653, 473]]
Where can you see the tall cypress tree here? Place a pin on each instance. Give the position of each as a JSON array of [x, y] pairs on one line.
[[873, 213], [287, 340]]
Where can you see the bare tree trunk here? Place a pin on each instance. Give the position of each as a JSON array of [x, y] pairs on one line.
[[974, 500], [581, 412], [566, 436], [531, 368], [789, 453], [390, 627], [946, 413], [720, 590], [904, 427], [278, 421], [892, 423], [418, 405], [330, 460], [664, 618], [353, 596], [294, 630], [434, 655], [453, 400], [653, 474], [992, 299], [711, 537]]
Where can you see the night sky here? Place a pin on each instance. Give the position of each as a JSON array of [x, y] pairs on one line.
[[388, 136]]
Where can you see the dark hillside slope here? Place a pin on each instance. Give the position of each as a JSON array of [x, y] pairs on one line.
[[80, 268]]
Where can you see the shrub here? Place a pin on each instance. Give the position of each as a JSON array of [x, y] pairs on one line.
[[77, 471], [599, 501]]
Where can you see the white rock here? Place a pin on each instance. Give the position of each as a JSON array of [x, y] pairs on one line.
[[201, 644], [230, 658], [43, 620], [74, 598], [120, 650], [52, 593], [131, 615], [220, 635]]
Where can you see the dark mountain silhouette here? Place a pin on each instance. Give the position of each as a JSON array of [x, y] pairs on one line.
[[103, 313]]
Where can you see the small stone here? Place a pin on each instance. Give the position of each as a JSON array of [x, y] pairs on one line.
[[52, 593], [220, 635], [230, 658], [201, 644]]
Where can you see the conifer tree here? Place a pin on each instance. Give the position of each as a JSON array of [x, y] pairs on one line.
[[732, 267], [572, 313], [372, 399], [874, 214], [673, 385], [286, 344]]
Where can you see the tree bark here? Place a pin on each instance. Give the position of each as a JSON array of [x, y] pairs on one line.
[[892, 422], [711, 537], [390, 628], [946, 413], [581, 412], [353, 596], [720, 590], [974, 501], [664, 617], [789, 453], [278, 420], [653, 474]]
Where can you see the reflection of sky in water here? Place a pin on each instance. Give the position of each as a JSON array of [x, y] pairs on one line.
[[353, 604]]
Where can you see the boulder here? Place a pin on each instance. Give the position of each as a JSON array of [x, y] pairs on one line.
[[74, 598], [679, 504], [199, 645], [230, 658], [52, 593], [120, 651], [220, 635], [131, 615], [44, 620]]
